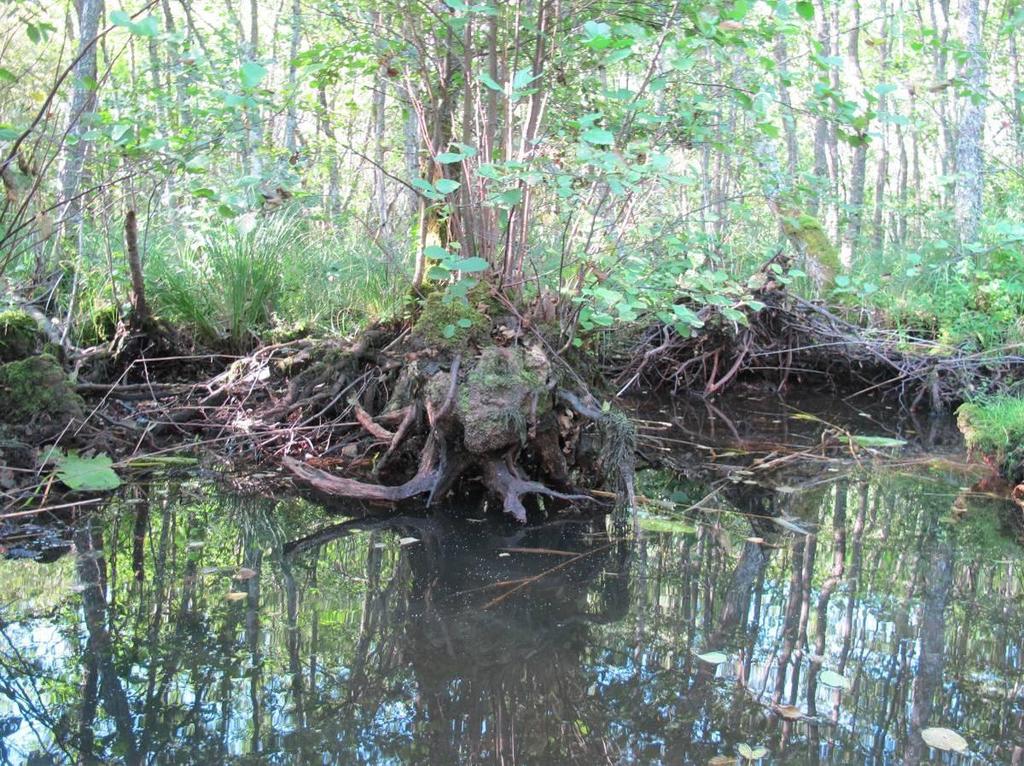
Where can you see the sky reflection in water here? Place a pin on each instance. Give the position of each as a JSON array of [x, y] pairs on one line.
[[137, 645]]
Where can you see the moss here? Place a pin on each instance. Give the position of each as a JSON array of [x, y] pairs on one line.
[[812, 235], [19, 335], [995, 428], [451, 323], [618, 448], [101, 326], [37, 388], [501, 394]]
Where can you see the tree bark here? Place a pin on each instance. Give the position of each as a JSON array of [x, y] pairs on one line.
[[83, 101], [969, 160]]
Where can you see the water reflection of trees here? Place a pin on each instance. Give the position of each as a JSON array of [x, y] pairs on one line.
[[346, 646]]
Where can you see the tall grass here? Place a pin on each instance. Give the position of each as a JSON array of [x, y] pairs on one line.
[[226, 286], [231, 287]]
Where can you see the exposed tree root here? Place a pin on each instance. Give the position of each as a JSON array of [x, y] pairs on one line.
[[395, 416], [795, 340], [499, 477]]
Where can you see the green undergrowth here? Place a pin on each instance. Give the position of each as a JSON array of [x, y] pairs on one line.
[[994, 427], [37, 387], [241, 286], [19, 335]]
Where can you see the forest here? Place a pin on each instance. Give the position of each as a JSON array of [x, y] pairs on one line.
[[698, 274], [636, 196]]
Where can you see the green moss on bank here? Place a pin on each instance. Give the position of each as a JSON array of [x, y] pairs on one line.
[[995, 427], [450, 324], [19, 335], [37, 388]]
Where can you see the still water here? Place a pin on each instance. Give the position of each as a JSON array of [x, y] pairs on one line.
[[187, 625]]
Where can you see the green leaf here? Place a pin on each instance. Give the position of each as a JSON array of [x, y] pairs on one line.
[[93, 474], [435, 251], [120, 19], [447, 158], [470, 264], [943, 739], [446, 185], [876, 441], [733, 315], [509, 198], [713, 658], [523, 78], [33, 33], [598, 136], [148, 27], [438, 272], [251, 74], [197, 164], [806, 10], [448, 331], [487, 80], [833, 679], [6, 75]]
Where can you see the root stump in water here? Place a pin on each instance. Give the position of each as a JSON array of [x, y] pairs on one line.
[[498, 418]]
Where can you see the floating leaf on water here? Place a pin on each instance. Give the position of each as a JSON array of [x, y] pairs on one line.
[[713, 658], [236, 595], [659, 524], [943, 739], [245, 574], [875, 441], [408, 540], [833, 679], [790, 712], [752, 753], [789, 525], [87, 474]]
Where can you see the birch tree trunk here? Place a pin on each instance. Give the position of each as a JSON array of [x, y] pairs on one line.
[[859, 161], [83, 101], [969, 161], [291, 121]]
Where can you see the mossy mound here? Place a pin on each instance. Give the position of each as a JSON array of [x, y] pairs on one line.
[[995, 428], [503, 394], [450, 323], [36, 390], [19, 335]]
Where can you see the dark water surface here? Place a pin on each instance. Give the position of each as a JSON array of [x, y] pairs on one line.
[[186, 625]]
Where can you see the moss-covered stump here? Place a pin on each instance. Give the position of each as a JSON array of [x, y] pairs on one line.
[[19, 335], [469, 412], [502, 395], [36, 392]]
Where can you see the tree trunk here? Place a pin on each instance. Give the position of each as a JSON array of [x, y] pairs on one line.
[[858, 165], [83, 101], [969, 161], [291, 121]]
